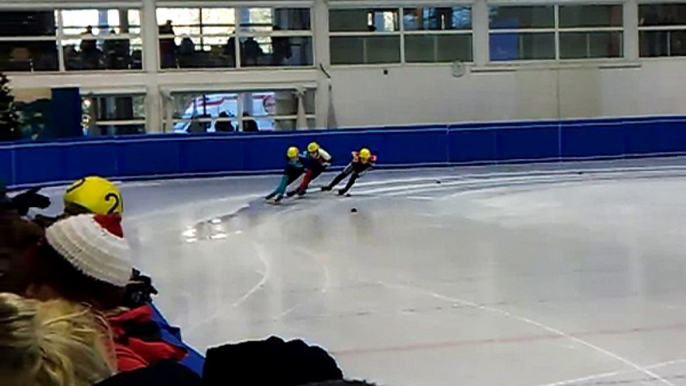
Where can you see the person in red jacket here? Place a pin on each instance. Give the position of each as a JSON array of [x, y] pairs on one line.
[[137, 340], [85, 259]]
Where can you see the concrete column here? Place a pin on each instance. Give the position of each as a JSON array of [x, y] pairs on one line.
[[322, 59], [151, 65], [480, 22], [631, 36]]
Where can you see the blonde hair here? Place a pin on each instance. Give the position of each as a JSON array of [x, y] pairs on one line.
[[54, 343]]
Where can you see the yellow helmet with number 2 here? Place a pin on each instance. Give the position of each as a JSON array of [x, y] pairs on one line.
[[292, 152], [93, 195], [365, 154], [312, 147]]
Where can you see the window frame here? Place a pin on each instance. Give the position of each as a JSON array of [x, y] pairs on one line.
[[97, 94], [557, 30], [402, 32], [238, 91], [668, 28], [60, 37], [237, 34]]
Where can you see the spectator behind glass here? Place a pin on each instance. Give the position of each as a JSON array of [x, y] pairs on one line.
[[223, 124], [249, 124], [281, 49], [167, 45], [55, 343], [90, 54], [251, 52]]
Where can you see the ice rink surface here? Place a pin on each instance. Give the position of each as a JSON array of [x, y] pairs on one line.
[[554, 274]]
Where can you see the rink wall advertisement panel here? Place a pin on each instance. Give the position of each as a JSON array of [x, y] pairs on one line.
[[180, 155]]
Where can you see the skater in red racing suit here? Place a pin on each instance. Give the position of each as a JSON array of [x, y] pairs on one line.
[[318, 160], [361, 163]]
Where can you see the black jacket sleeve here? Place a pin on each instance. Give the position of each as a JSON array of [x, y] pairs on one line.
[[272, 362]]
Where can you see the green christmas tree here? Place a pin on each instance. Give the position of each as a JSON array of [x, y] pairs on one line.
[[9, 118]]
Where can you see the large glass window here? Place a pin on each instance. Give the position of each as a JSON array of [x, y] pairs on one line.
[[89, 39], [662, 29], [249, 111], [235, 37], [522, 33], [365, 36], [116, 114], [590, 31], [382, 35], [551, 32], [102, 39], [435, 35], [28, 41]]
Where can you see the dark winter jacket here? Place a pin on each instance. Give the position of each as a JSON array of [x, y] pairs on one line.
[[271, 362], [164, 373]]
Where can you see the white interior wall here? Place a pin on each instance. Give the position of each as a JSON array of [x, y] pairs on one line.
[[414, 95]]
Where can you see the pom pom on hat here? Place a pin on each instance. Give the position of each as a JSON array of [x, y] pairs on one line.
[[94, 245]]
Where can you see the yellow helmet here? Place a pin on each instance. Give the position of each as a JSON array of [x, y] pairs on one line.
[[312, 147], [292, 152], [93, 195], [365, 154]]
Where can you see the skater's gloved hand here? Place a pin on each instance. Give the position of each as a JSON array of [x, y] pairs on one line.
[[139, 291], [30, 199]]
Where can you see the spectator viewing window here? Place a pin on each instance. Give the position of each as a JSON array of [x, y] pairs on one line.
[[116, 114], [268, 110], [552, 32], [235, 37], [662, 29], [89, 39], [400, 35]]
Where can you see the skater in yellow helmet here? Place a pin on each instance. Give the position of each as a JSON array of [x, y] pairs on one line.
[[362, 161], [93, 194], [293, 170], [318, 160], [90, 194]]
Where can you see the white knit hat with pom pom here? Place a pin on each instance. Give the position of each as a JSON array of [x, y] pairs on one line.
[[94, 245]]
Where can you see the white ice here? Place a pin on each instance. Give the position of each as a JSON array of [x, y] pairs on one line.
[[564, 274]]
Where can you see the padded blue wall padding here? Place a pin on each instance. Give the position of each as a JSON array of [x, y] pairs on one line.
[[179, 155]]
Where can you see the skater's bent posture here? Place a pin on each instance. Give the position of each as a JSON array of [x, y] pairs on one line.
[[318, 160], [294, 169], [361, 163]]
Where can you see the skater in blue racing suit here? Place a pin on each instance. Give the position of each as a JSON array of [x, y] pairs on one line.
[[294, 169]]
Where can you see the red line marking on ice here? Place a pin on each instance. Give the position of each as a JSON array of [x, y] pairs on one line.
[[506, 340]]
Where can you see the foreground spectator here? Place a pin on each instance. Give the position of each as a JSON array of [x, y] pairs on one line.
[[85, 259], [342, 382], [55, 343], [164, 373], [16, 236], [271, 362]]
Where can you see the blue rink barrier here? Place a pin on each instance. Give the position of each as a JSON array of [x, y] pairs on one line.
[[191, 155]]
